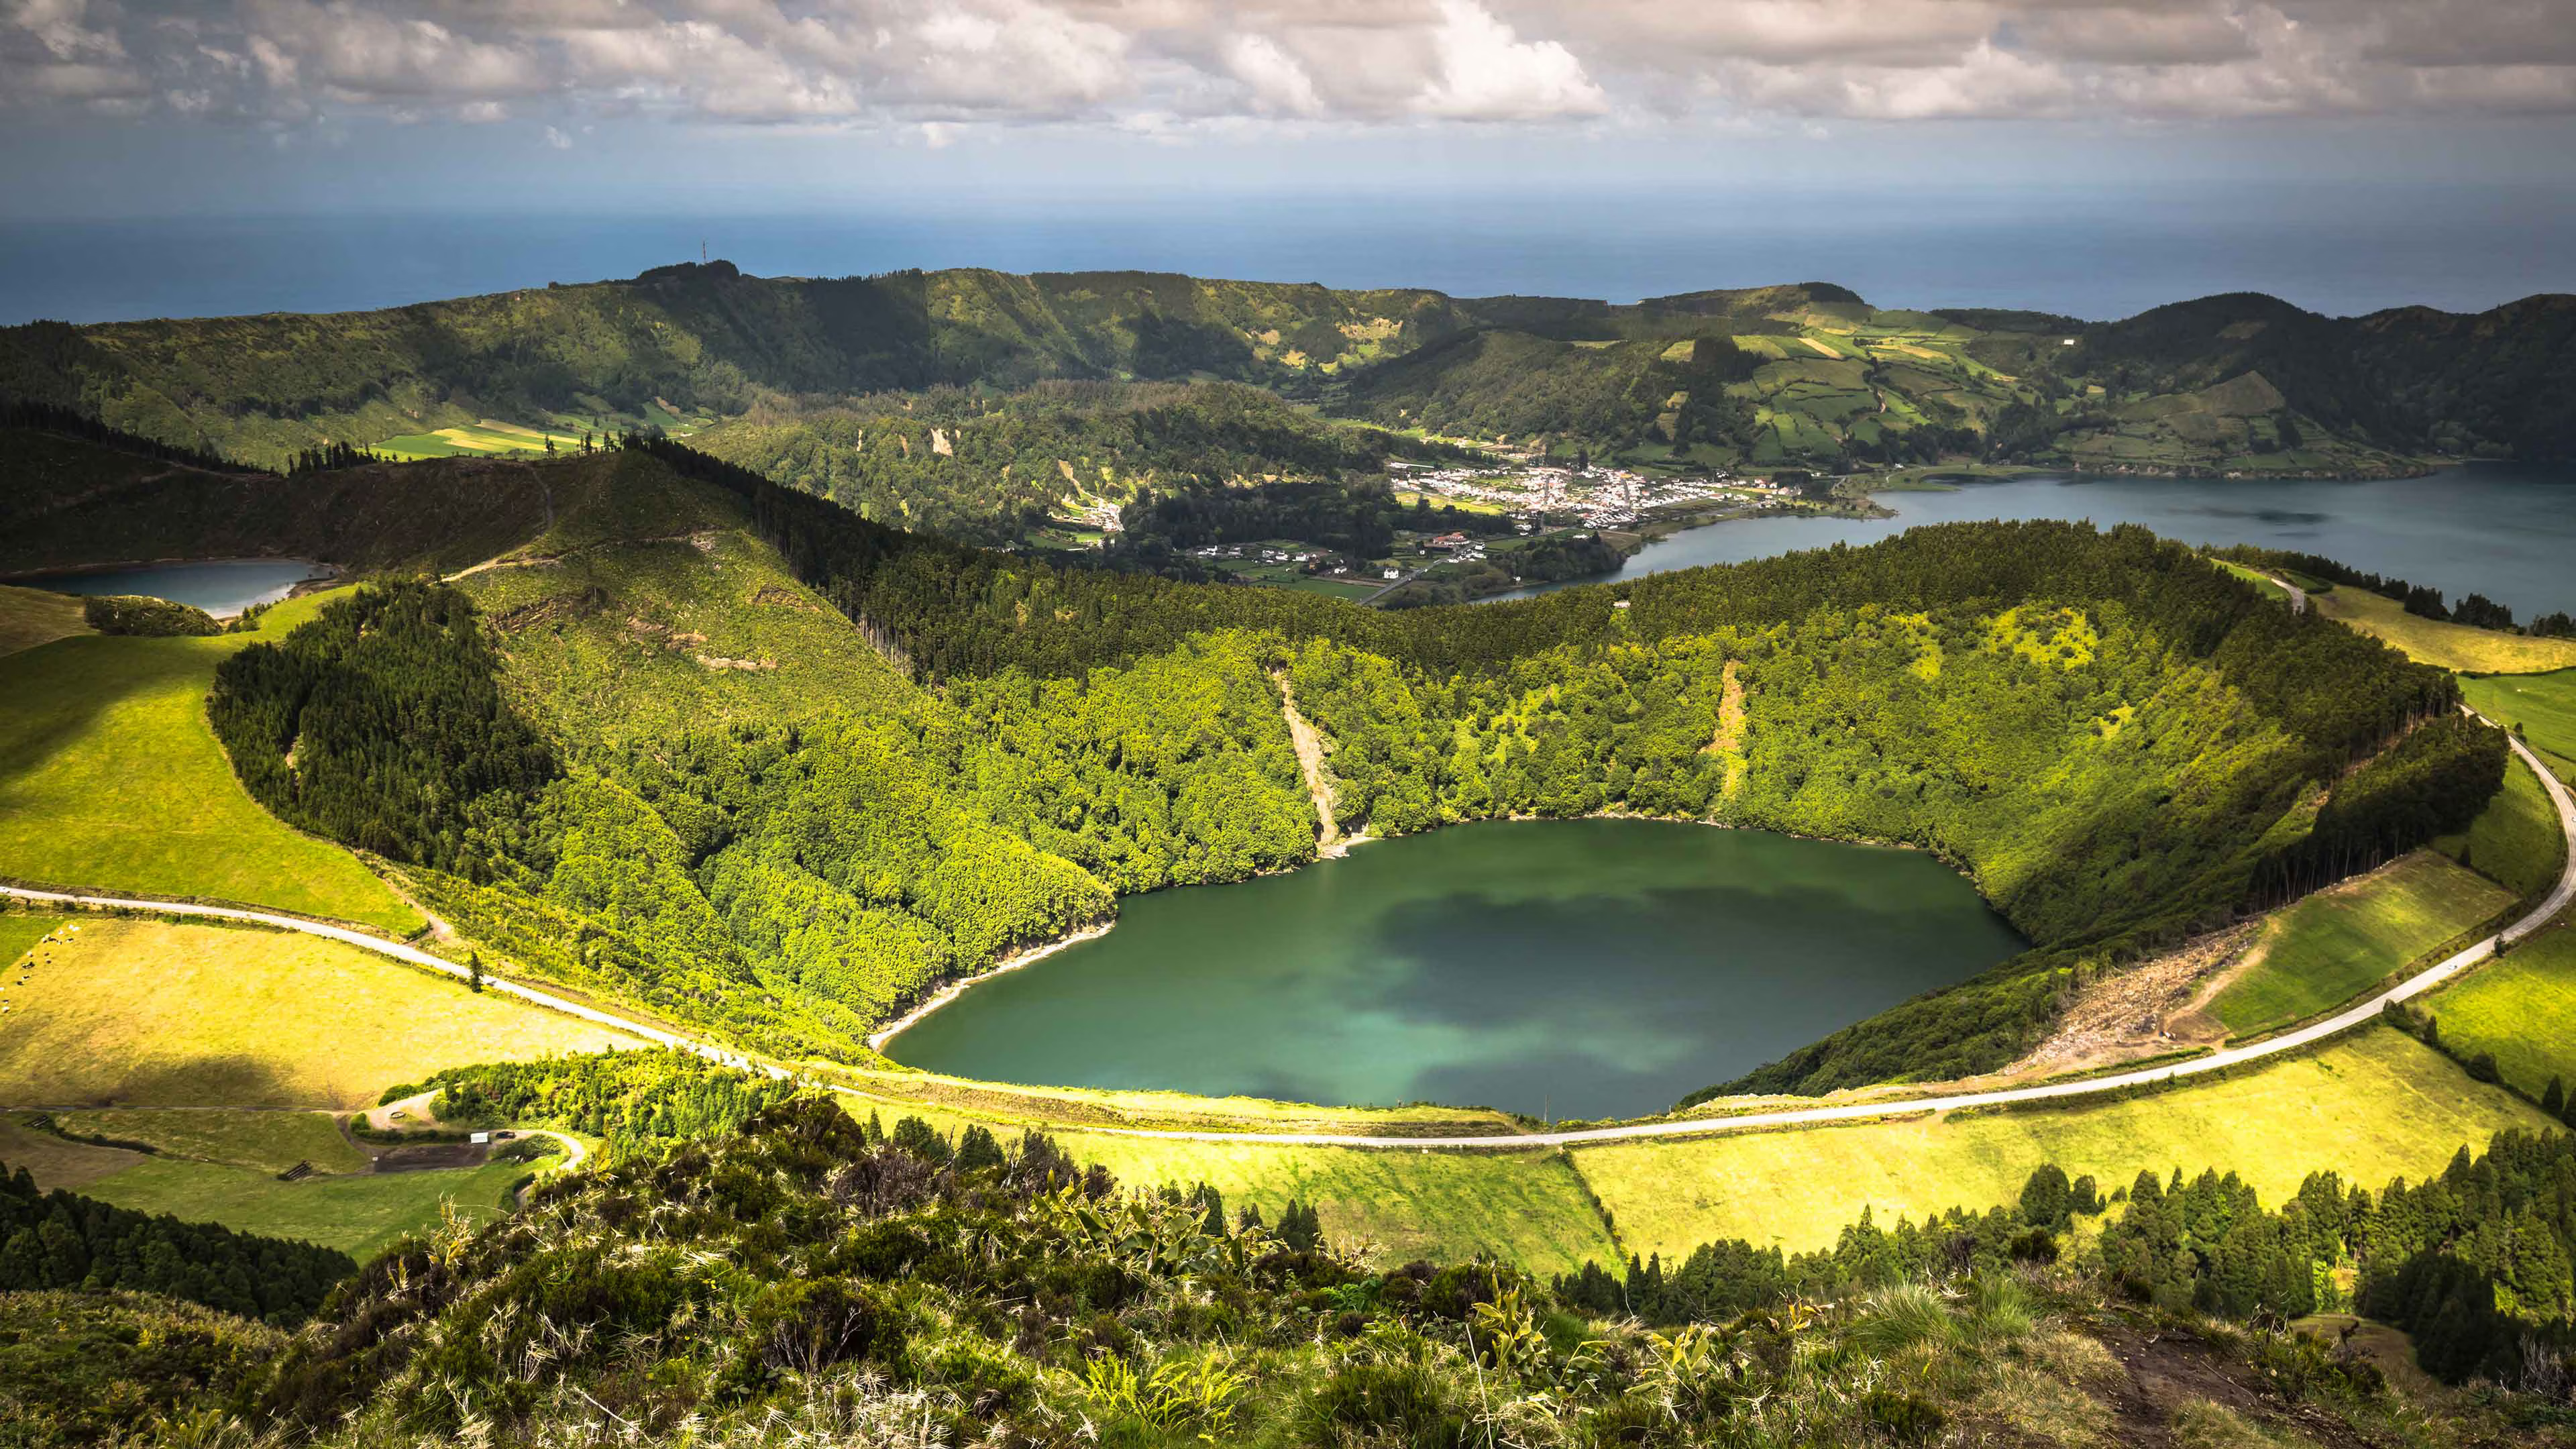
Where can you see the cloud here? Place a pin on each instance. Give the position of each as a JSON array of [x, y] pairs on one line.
[[1165, 66], [1488, 73]]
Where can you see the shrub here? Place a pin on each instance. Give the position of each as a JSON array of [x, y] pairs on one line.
[[143, 615]]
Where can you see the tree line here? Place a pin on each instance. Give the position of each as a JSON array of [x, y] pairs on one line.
[[63, 1240]]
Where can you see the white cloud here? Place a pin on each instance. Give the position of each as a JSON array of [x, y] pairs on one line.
[[1278, 82], [1488, 73], [557, 139], [1165, 66]]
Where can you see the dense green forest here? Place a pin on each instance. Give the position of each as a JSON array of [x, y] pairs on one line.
[[51, 1240], [808, 1277], [626, 1098], [2112, 738], [381, 724], [981, 467]]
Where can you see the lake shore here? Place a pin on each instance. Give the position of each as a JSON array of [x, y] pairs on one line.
[[1028, 956]]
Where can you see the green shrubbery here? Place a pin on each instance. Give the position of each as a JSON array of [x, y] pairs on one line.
[[812, 1278], [144, 615]]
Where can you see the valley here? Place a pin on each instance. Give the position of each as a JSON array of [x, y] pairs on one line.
[[750, 741]]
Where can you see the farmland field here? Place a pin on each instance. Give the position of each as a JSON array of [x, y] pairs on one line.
[[2522, 1008], [360, 1214], [2335, 944], [269, 1141], [2373, 1105], [29, 617], [2514, 841], [143, 1013], [482, 439], [110, 777], [2452, 646], [2544, 705]]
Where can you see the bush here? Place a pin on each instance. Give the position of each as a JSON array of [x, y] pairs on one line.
[[141, 615]]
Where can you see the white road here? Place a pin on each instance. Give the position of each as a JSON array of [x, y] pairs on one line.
[[2358, 1014]]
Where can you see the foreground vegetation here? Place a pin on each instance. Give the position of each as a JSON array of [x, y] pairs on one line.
[[807, 1278], [2371, 1106]]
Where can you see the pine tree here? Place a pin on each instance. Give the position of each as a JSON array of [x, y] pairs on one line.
[[2554, 1100]]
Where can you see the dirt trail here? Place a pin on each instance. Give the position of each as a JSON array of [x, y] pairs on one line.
[[1310, 761], [2360, 1013]]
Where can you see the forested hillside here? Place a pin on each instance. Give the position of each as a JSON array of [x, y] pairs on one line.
[[2103, 730], [800, 379], [983, 467], [684, 340]]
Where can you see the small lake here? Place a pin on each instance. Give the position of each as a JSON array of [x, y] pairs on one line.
[[221, 587], [1577, 968], [2506, 530]]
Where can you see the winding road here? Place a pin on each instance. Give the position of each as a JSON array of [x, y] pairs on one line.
[[2356, 1015]]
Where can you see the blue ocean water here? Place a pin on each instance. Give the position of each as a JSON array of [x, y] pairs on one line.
[[2094, 255]]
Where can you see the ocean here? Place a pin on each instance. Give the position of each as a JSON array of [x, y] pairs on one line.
[[2095, 255]]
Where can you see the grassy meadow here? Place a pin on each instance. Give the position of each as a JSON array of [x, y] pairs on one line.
[[2521, 1007], [145, 1013], [2336, 944], [1524, 1207], [484, 439], [111, 778], [2544, 705], [2515, 841], [2373, 1105], [2453, 646], [29, 617], [361, 1215], [268, 1141], [222, 1166], [55, 1162]]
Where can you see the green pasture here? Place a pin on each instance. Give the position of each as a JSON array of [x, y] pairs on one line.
[[29, 617], [2543, 705], [2452, 646], [2341, 941], [1526, 1208], [359, 1214], [149, 1014], [2515, 841], [2260, 581], [485, 439], [110, 777], [2521, 1007], [1523, 1207], [2373, 1105], [267, 1141]]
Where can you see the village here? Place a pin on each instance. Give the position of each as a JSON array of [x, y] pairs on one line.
[[1501, 527]]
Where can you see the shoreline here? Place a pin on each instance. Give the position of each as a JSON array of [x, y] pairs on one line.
[[1340, 848], [1030, 956], [320, 575]]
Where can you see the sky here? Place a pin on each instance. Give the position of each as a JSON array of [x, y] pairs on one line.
[[1513, 116]]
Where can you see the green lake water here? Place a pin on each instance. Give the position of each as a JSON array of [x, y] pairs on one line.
[[1580, 968]]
